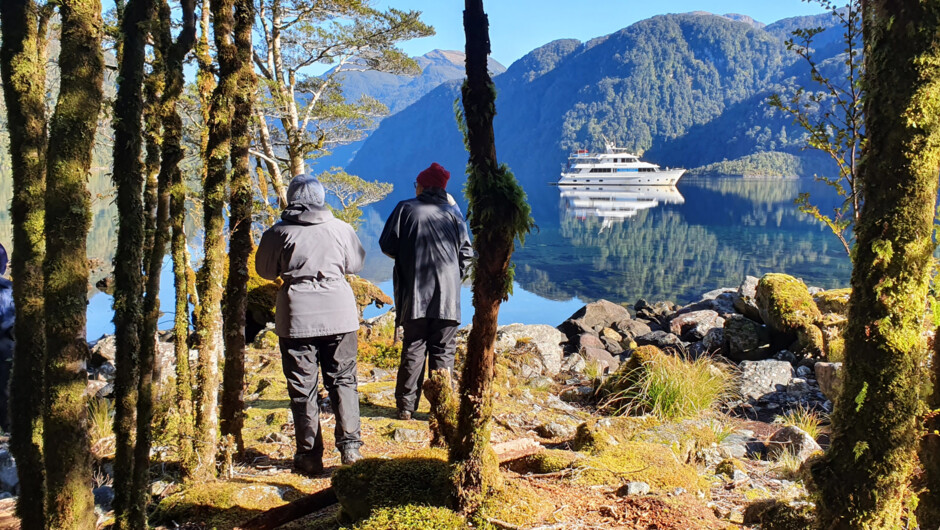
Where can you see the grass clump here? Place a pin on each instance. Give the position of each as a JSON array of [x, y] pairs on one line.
[[807, 420], [101, 414], [652, 463], [547, 461], [410, 516], [667, 386]]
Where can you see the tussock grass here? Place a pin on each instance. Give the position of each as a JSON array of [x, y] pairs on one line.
[[809, 421], [101, 414], [667, 386]]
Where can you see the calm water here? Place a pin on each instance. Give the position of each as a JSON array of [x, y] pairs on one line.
[[662, 244]]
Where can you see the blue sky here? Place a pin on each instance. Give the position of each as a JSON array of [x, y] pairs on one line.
[[519, 26]]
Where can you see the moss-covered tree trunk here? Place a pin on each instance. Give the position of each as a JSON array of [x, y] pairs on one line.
[[863, 480], [209, 324], [23, 67], [153, 91], [66, 443], [928, 512], [498, 215], [240, 242], [128, 259]]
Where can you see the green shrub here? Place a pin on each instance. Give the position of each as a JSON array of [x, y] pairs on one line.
[[667, 386], [411, 516]]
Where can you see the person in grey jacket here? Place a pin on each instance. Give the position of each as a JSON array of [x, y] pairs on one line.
[[427, 237], [316, 318]]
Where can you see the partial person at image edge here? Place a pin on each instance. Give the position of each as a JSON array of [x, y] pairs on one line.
[[7, 342], [427, 237], [316, 317]]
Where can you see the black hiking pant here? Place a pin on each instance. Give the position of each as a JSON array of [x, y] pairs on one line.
[[336, 354], [430, 339]]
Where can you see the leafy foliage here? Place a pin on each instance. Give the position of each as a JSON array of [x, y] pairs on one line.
[[353, 193]]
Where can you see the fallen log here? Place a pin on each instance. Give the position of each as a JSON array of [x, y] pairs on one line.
[[516, 449], [291, 511]]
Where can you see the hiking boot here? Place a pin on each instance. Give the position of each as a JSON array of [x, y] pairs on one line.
[[308, 465], [350, 454], [404, 415]]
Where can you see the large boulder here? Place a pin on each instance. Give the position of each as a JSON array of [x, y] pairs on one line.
[[601, 357], [745, 300], [745, 340], [759, 378], [834, 301], [630, 328], [794, 441], [545, 341], [662, 340], [595, 316], [787, 307], [693, 326]]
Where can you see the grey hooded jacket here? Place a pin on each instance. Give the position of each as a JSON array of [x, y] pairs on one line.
[[427, 237], [311, 251]]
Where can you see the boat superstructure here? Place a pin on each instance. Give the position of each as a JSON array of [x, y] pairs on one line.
[[615, 166]]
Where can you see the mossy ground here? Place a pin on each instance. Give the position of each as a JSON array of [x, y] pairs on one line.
[[576, 485]]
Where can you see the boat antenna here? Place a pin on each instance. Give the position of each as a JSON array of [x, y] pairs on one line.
[[609, 146]]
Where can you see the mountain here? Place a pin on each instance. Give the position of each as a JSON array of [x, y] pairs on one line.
[[398, 92], [683, 89]]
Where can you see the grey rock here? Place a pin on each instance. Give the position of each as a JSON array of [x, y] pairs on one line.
[[600, 314], [745, 302], [5, 495], [277, 438], [573, 363], [9, 479], [546, 339], [104, 496], [540, 381], [661, 340], [739, 476], [577, 393], [798, 386], [785, 355], [695, 325], [758, 378], [630, 329], [829, 377], [555, 430], [723, 304], [633, 488], [804, 371], [104, 349], [107, 369], [611, 346], [600, 356], [714, 340], [403, 435], [587, 340], [745, 339], [94, 387], [793, 440], [379, 374]]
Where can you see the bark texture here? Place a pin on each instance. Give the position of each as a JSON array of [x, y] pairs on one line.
[[498, 216], [928, 510], [210, 294], [69, 502], [128, 260], [22, 65], [864, 479], [240, 241]]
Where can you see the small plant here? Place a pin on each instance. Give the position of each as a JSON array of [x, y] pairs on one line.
[[101, 413], [807, 420], [787, 465], [667, 386], [593, 371]]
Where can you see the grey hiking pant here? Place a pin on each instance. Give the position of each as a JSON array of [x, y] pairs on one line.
[[336, 354], [424, 338]]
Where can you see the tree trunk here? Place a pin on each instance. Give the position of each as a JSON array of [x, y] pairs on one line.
[[153, 90], [23, 67], [66, 443], [499, 214], [209, 323], [928, 510], [864, 478], [128, 260], [240, 242]]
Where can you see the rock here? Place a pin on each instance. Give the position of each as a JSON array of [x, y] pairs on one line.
[[600, 314], [266, 340], [9, 480], [546, 342], [403, 435], [378, 374], [104, 349], [834, 301], [630, 329], [573, 363], [764, 377], [785, 355], [276, 438], [613, 347], [633, 488], [714, 340], [577, 393], [798, 386], [104, 496], [829, 377], [662, 340], [601, 356], [723, 304], [788, 309], [555, 430], [610, 334], [695, 325], [803, 371], [587, 340], [793, 440], [746, 340], [745, 301], [94, 387]]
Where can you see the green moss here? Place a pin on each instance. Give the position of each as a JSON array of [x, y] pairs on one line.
[[787, 307], [834, 301], [727, 466], [420, 478], [218, 504], [514, 502], [367, 293], [413, 516], [774, 514], [591, 438], [547, 461], [654, 464]]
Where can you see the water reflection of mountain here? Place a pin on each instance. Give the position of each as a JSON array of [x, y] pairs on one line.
[[722, 231]]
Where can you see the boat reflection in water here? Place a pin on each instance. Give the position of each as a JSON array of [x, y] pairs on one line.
[[613, 204]]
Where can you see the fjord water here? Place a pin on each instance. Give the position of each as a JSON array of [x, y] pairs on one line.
[[721, 230]]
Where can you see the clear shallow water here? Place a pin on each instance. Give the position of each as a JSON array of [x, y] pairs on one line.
[[708, 233]]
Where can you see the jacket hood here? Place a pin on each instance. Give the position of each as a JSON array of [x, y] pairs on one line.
[[434, 196], [306, 214]]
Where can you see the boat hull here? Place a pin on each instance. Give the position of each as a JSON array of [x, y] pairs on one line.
[[664, 177]]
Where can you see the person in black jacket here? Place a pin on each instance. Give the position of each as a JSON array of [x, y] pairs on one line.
[[427, 237], [7, 319]]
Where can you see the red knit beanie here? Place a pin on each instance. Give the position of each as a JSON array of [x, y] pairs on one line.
[[434, 177]]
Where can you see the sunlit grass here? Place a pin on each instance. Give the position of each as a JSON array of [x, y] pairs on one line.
[[809, 421]]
